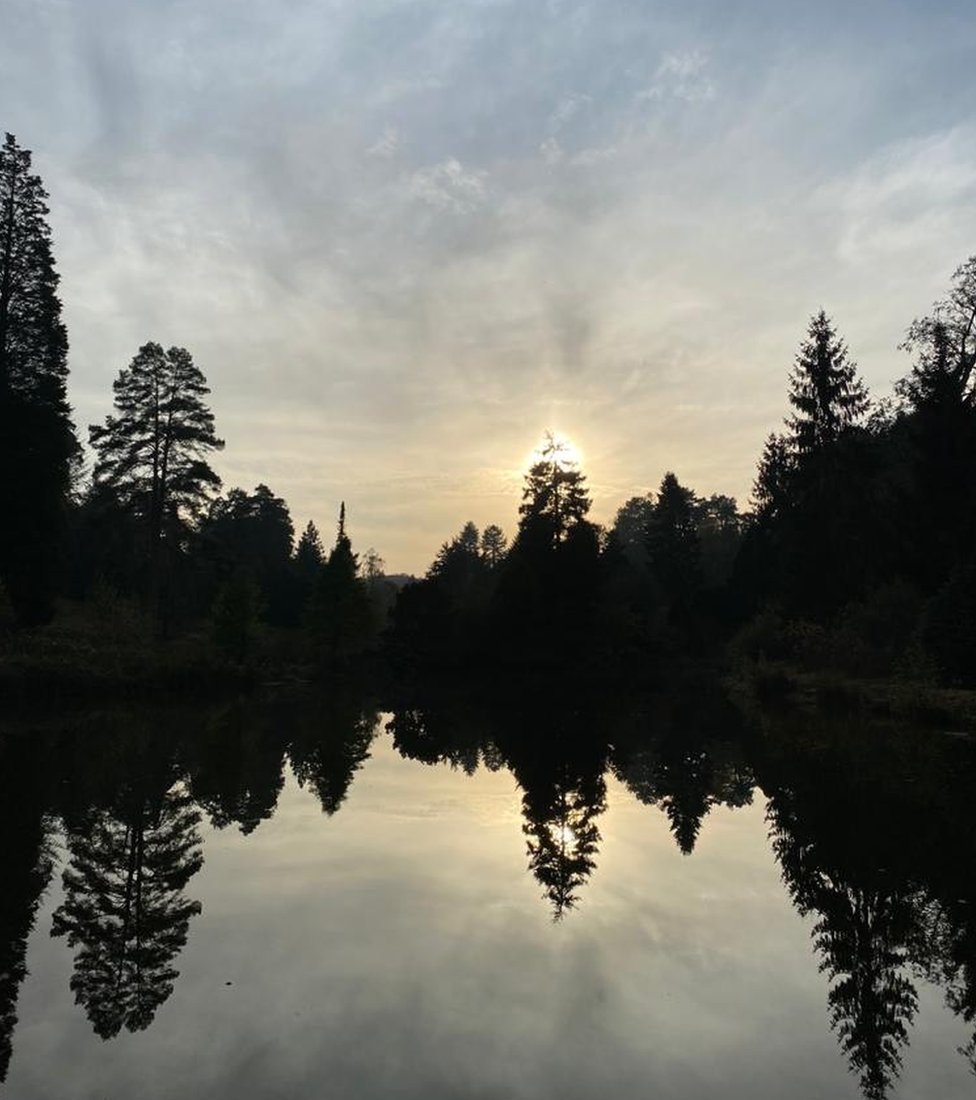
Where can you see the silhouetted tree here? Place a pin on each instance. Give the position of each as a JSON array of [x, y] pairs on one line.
[[339, 614], [939, 398], [253, 533], [458, 570], [825, 390], [630, 529], [124, 907], [719, 526], [493, 545], [37, 440], [152, 452], [814, 497], [309, 554], [674, 546], [547, 589], [555, 497]]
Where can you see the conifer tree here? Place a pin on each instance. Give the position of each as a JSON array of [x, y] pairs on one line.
[[339, 612], [152, 453], [673, 540], [825, 389], [555, 497], [309, 554], [37, 440], [493, 545]]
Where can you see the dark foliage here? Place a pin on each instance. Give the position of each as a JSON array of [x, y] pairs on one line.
[[37, 440]]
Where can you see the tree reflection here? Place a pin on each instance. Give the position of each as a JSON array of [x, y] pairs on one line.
[[685, 763], [331, 744], [124, 908], [26, 861], [837, 865], [562, 835], [236, 764]]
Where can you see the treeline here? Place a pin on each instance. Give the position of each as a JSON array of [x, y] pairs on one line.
[[858, 553]]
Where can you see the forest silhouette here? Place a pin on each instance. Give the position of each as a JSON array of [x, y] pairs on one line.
[[856, 553]]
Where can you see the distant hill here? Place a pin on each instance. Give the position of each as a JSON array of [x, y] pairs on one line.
[[399, 579]]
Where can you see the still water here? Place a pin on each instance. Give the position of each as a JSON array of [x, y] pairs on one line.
[[296, 897]]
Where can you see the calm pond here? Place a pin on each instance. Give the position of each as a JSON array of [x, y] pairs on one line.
[[453, 897]]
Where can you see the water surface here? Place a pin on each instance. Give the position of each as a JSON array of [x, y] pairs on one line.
[[300, 898]]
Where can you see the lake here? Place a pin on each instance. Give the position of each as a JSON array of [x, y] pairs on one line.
[[555, 893]]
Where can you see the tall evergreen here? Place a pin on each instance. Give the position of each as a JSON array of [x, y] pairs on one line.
[[811, 494], [339, 612], [37, 440], [825, 389], [152, 453]]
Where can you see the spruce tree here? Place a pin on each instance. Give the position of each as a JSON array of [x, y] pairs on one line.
[[813, 485], [37, 440], [825, 389]]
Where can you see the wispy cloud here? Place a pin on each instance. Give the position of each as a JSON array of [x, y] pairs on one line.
[[683, 74], [450, 187]]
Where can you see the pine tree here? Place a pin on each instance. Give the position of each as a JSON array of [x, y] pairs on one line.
[[37, 440], [152, 453]]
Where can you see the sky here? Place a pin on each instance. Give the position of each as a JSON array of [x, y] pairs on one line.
[[402, 238]]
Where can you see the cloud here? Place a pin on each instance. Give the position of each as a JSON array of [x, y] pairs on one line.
[[409, 236], [387, 145], [448, 186], [682, 74]]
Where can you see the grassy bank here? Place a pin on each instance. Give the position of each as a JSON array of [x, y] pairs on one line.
[[772, 683]]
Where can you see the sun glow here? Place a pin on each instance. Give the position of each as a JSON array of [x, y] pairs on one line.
[[555, 446]]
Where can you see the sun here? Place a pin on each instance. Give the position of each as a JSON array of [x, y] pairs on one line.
[[555, 445]]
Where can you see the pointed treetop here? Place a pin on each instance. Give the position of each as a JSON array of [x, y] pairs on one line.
[[342, 520]]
